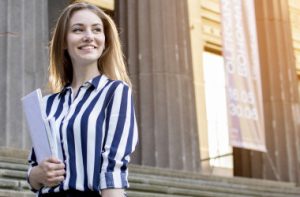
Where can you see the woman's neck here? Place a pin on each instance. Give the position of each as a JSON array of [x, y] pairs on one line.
[[82, 74]]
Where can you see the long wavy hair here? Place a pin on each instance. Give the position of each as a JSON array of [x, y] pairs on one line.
[[111, 63]]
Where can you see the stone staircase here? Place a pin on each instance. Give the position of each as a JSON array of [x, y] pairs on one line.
[[155, 182]]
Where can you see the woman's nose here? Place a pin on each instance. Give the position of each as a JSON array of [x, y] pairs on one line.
[[88, 36]]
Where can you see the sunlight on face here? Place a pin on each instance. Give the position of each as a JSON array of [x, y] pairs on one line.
[[85, 38]]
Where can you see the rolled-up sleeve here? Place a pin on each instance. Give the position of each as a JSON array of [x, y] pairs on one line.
[[31, 163], [120, 139]]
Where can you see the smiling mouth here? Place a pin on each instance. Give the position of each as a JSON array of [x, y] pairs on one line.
[[87, 47]]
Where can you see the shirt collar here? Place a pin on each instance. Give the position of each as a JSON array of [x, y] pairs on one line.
[[64, 90], [97, 82]]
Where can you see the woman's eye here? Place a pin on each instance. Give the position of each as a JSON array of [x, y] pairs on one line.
[[77, 30], [98, 30]]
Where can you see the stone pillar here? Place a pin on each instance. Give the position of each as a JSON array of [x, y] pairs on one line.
[[156, 42], [54, 9], [23, 64], [280, 97]]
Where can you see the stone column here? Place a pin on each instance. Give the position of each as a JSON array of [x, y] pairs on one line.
[[23, 64], [156, 42], [280, 97]]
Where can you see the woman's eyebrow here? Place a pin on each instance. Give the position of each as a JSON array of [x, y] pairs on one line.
[[81, 24], [98, 24]]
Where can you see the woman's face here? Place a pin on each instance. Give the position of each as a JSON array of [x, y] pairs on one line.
[[85, 38]]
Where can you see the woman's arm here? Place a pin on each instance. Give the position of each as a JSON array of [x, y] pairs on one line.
[[112, 193], [120, 140], [48, 173]]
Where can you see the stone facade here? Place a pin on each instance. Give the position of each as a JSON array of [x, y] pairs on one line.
[[156, 41], [167, 77], [23, 64]]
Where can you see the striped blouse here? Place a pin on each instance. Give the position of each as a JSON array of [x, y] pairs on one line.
[[96, 132]]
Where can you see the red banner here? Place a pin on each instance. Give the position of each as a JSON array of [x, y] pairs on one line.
[[242, 71]]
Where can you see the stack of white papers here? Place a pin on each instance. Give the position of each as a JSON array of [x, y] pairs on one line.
[[40, 131]]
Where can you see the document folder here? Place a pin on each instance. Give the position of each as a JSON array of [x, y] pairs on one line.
[[39, 128]]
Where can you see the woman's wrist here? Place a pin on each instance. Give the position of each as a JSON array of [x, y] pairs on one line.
[[33, 178]]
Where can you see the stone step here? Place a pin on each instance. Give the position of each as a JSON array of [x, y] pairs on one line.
[[157, 182], [210, 186], [201, 189], [14, 174], [168, 186], [9, 184], [173, 191], [13, 160], [13, 166], [20, 164], [198, 176], [9, 193], [132, 193], [12, 193]]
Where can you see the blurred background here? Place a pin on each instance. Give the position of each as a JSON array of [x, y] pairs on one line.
[[178, 65]]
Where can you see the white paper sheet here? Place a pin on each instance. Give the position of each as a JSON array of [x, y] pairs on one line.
[[39, 128]]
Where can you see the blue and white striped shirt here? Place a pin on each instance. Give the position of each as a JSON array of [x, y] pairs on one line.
[[96, 131]]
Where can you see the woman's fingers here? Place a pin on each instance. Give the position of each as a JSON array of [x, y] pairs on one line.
[[54, 178], [56, 163], [53, 160], [60, 172], [53, 171], [54, 166]]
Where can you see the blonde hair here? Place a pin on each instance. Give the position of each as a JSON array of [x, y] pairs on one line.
[[111, 63]]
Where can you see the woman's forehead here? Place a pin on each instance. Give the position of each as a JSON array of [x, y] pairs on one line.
[[85, 17]]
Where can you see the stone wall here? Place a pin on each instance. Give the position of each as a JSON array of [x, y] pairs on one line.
[[23, 64]]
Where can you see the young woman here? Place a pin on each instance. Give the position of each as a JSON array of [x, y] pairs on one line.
[[92, 111]]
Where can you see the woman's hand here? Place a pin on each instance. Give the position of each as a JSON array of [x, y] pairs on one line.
[[49, 172]]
